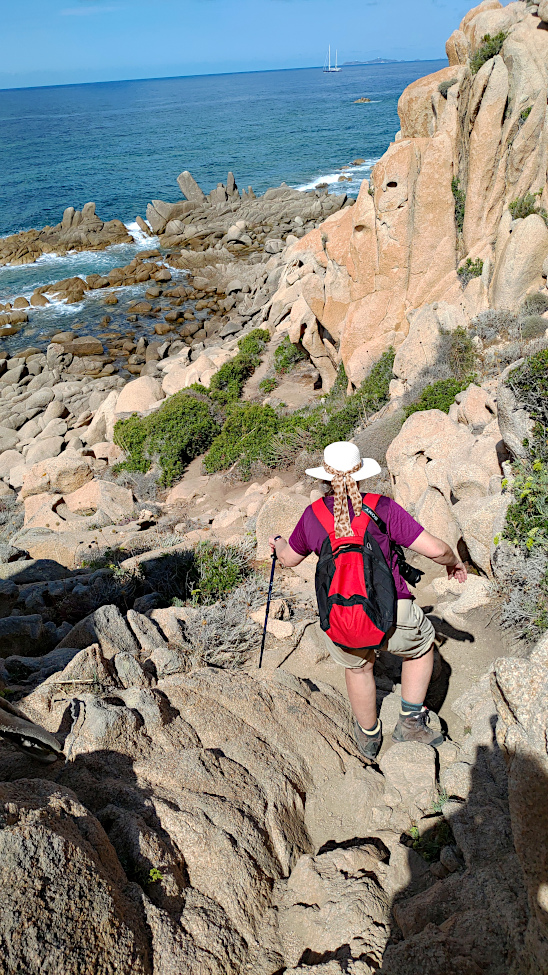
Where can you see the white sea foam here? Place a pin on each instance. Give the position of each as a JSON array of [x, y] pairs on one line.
[[140, 237], [357, 174]]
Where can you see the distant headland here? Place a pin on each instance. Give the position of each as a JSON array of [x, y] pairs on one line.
[[374, 61]]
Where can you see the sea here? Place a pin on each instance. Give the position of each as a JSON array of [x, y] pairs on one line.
[[124, 143]]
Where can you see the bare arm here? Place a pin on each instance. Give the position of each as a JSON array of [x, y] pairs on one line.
[[285, 554], [442, 553]]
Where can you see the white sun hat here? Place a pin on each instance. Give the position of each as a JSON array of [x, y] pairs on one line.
[[343, 456]]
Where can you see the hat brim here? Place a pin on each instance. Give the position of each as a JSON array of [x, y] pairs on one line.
[[368, 469]]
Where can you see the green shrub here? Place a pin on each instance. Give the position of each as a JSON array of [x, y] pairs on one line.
[[470, 269], [524, 206], [460, 202], [534, 304], [527, 516], [229, 381], [246, 430], [490, 47], [268, 385], [444, 86], [258, 433], [287, 355], [182, 429], [430, 843], [370, 396], [219, 570], [462, 355], [532, 326], [439, 395], [530, 385], [526, 525], [523, 116], [254, 343]]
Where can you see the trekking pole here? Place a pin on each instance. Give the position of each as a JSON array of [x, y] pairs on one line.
[[267, 607]]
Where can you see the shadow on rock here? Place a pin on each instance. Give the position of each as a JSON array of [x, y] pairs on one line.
[[488, 912]]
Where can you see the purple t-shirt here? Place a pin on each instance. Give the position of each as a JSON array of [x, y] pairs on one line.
[[309, 535]]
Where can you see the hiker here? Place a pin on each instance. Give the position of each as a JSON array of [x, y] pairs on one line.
[[367, 573]]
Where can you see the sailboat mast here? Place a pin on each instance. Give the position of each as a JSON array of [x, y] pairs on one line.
[[329, 58]]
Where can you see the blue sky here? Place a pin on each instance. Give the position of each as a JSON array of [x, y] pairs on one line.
[[73, 41]]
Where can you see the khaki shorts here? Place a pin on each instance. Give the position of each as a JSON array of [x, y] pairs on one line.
[[412, 637]]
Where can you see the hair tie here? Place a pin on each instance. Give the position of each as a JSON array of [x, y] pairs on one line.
[[344, 486]]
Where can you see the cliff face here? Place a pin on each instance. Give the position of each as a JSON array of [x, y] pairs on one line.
[[351, 285]]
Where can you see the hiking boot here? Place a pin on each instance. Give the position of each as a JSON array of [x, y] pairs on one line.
[[414, 727], [368, 745]]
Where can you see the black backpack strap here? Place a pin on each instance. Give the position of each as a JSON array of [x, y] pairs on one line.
[[407, 571]]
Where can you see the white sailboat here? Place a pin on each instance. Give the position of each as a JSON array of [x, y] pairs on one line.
[[327, 63]]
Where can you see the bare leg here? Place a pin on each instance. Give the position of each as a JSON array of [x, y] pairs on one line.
[[415, 677], [362, 693]]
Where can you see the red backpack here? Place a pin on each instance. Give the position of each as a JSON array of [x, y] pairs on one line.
[[355, 587]]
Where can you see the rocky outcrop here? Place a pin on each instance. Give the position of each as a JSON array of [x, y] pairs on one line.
[[79, 230], [207, 819], [446, 471], [260, 839], [358, 283]]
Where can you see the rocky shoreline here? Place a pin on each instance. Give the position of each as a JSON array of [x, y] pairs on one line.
[[79, 230]]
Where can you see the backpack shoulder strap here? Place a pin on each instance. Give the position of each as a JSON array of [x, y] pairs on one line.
[[324, 515]]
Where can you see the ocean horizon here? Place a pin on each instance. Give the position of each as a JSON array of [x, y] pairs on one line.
[[219, 74], [123, 143]]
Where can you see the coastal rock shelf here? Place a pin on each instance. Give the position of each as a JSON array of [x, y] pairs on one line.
[[225, 251], [79, 230]]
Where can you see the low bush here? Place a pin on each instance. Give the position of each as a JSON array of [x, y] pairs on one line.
[[254, 343], [226, 636], [534, 304], [182, 429], [532, 326], [199, 576], [492, 323], [524, 115], [527, 516], [490, 47], [268, 385], [526, 527], [470, 269], [430, 843], [444, 86], [287, 355], [246, 431], [461, 352], [521, 579], [459, 197], [525, 206], [219, 570], [228, 382], [530, 385], [254, 433], [439, 395]]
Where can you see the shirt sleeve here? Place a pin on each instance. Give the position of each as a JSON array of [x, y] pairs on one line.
[[403, 529], [298, 538]]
